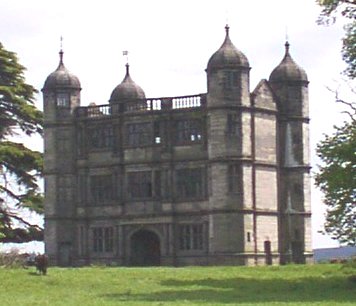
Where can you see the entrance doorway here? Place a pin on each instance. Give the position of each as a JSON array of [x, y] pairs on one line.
[[145, 249], [65, 258]]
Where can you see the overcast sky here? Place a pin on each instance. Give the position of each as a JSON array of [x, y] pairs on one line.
[[170, 43]]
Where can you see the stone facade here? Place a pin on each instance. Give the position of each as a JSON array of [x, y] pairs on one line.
[[220, 178]]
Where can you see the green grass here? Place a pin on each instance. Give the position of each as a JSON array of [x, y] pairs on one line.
[[322, 284]]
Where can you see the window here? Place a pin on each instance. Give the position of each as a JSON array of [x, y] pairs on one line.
[[162, 184], [101, 188], [231, 80], [188, 131], [233, 125], [139, 184], [157, 183], [296, 234], [81, 240], [298, 189], [234, 179], [148, 184], [101, 137], [248, 237], [80, 141], [63, 99], [191, 237], [157, 132], [82, 188], [103, 239], [190, 183], [139, 134]]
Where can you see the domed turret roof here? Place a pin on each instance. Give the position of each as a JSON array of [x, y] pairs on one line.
[[127, 90], [288, 70], [61, 77], [227, 56]]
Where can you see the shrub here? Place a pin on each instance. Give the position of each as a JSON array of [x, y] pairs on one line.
[[12, 259], [349, 268]]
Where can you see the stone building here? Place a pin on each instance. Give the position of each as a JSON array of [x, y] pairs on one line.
[[215, 178]]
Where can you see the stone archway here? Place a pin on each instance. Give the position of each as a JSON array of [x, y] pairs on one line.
[[145, 249]]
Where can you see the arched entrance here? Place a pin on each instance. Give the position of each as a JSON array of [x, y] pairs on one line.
[[145, 249]]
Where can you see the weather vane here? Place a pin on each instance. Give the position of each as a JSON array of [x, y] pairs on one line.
[[126, 53]]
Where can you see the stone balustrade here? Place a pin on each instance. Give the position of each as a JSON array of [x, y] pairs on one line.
[[152, 104]]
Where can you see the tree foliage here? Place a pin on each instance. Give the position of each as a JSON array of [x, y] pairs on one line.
[[337, 179], [337, 174], [20, 167], [346, 8]]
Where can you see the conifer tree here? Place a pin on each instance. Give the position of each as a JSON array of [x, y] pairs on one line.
[[20, 167]]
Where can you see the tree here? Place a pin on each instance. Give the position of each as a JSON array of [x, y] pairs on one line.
[[347, 9], [337, 174], [20, 167], [337, 179]]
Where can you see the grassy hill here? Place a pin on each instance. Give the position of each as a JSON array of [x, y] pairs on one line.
[[322, 284]]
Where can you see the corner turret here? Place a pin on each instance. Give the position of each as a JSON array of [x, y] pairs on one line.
[[290, 84], [288, 70], [61, 91], [228, 76], [61, 96]]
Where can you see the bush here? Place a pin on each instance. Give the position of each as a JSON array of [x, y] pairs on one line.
[[12, 259], [349, 268], [350, 264]]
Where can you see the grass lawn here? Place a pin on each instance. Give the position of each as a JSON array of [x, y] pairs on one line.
[[322, 284]]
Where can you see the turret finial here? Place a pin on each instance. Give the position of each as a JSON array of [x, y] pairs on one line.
[[227, 29], [61, 51]]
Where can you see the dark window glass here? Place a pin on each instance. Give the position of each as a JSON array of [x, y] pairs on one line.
[[139, 184], [296, 234], [103, 239], [98, 242], [233, 125], [102, 188], [165, 183], [157, 183], [81, 240], [63, 99], [231, 80], [190, 183], [101, 137], [234, 179], [157, 132], [108, 239], [248, 237], [298, 189], [188, 131], [139, 134], [191, 237]]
